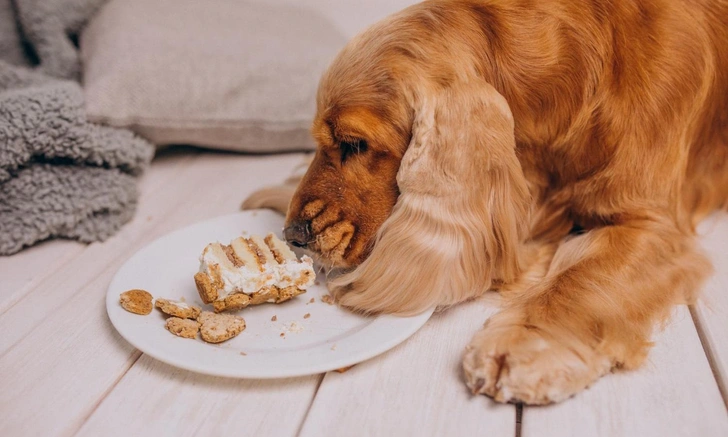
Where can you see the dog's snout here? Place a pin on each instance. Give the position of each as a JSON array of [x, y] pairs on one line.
[[298, 233]]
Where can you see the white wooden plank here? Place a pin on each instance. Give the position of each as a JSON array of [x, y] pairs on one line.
[[53, 379], [211, 185], [69, 357], [20, 272], [711, 311], [166, 401], [416, 389], [674, 394]]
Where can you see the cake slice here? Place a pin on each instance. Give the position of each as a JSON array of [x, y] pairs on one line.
[[251, 271]]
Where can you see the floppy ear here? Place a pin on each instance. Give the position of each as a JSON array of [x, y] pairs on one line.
[[462, 213]]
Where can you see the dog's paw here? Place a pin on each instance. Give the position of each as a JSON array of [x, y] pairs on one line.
[[276, 198], [519, 363]]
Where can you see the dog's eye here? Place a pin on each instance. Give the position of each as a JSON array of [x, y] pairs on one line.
[[352, 147]]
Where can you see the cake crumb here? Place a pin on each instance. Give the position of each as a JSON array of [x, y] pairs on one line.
[[333, 348], [274, 318], [243, 353], [326, 298], [313, 299], [283, 334], [293, 327], [317, 283], [307, 315]]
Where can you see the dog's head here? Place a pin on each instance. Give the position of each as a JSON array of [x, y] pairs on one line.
[[415, 174], [362, 128]]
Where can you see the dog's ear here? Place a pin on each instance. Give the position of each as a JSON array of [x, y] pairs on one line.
[[462, 213]]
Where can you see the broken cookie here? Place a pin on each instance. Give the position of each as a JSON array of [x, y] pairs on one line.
[[216, 328], [136, 301], [178, 309], [182, 327]]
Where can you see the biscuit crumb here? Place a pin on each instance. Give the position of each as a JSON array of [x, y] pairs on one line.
[[274, 318], [182, 327], [307, 315], [326, 298], [136, 301]]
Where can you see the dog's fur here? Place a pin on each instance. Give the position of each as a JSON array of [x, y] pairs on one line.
[[559, 150]]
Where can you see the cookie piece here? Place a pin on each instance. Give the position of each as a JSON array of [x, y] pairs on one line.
[[177, 309], [232, 303], [136, 301], [216, 328], [182, 327], [205, 287]]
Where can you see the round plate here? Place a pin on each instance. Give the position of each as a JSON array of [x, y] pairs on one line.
[[305, 338]]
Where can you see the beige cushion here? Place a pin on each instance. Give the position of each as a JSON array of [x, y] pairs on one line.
[[224, 73]]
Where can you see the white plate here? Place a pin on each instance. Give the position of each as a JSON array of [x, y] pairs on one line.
[[330, 338]]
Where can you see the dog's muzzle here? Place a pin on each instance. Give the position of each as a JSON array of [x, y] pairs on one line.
[[298, 233]]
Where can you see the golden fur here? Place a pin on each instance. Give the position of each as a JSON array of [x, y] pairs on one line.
[[559, 150]]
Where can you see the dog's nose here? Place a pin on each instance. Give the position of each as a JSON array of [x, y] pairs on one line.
[[298, 233]]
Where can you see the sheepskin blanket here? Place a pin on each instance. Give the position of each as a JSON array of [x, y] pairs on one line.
[[60, 175]]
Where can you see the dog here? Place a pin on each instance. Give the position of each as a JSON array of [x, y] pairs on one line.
[[559, 151]]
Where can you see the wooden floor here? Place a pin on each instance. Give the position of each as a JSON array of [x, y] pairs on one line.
[[65, 371]]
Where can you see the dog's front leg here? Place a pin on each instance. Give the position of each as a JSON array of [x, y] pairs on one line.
[[594, 311]]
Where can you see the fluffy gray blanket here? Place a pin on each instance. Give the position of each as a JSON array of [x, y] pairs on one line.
[[60, 176]]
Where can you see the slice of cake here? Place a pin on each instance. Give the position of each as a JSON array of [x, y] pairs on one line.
[[251, 271]]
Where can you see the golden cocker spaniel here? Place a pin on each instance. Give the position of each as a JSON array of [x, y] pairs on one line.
[[560, 151]]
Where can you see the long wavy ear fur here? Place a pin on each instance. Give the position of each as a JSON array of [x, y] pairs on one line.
[[462, 214]]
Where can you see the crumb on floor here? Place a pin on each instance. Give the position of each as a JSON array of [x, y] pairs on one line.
[[307, 315], [344, 369], [274, 318], [243, 353], [313, 299], [333, 348], [326, 298]]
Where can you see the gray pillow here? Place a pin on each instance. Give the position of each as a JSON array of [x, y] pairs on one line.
[[216, 73]]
